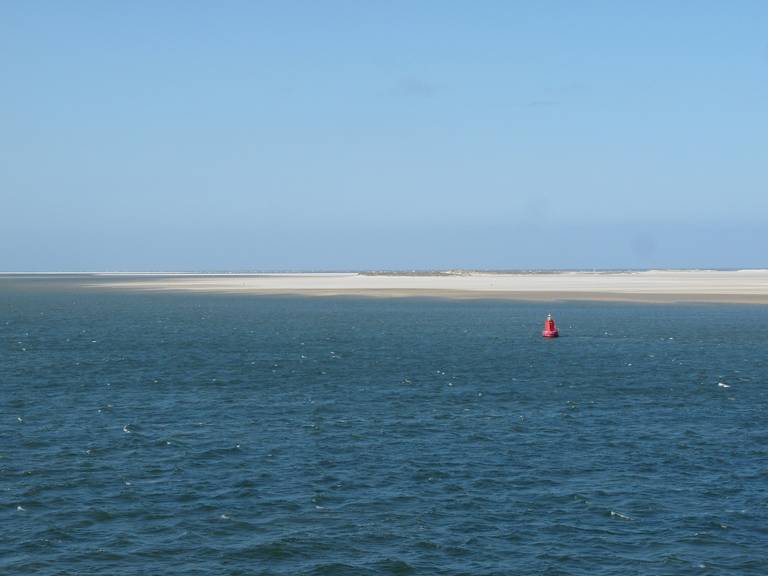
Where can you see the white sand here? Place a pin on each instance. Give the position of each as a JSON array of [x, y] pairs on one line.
[[648, 286]]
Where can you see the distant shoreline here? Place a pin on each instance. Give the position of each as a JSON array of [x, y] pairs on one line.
[[416, 273], [651, 286]]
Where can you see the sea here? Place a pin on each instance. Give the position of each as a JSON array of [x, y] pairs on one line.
[[232, 434]]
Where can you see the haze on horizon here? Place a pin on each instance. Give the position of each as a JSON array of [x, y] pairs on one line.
[[382, 135]]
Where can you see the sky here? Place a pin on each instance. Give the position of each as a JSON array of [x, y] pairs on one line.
[[370, 135]]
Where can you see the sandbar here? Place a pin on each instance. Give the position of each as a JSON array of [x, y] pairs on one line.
[[655, 286]]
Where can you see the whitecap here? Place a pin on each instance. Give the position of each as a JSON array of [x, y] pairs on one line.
[[723, 385], [20, 508], [125, 429], [615, 514]]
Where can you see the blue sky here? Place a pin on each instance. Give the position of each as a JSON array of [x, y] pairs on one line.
[[367, 135]]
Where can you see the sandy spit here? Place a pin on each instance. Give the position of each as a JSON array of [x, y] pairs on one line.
[[741, 286]]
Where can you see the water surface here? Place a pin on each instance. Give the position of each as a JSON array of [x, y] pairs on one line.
[[165, 433]]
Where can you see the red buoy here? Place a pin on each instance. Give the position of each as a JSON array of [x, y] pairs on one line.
[[550, 330]]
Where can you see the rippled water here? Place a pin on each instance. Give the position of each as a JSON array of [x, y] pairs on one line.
[[226, 434]]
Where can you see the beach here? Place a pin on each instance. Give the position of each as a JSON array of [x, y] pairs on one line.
[[657, 286]]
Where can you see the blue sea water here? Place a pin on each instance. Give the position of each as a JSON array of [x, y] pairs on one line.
[[200, 434]]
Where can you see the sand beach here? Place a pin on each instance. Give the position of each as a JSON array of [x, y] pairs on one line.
[[733, 286]]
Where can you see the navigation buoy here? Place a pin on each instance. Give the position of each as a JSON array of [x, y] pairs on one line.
[[550, 330]]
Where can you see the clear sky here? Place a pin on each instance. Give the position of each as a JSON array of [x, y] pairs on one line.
[[368, 135]]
